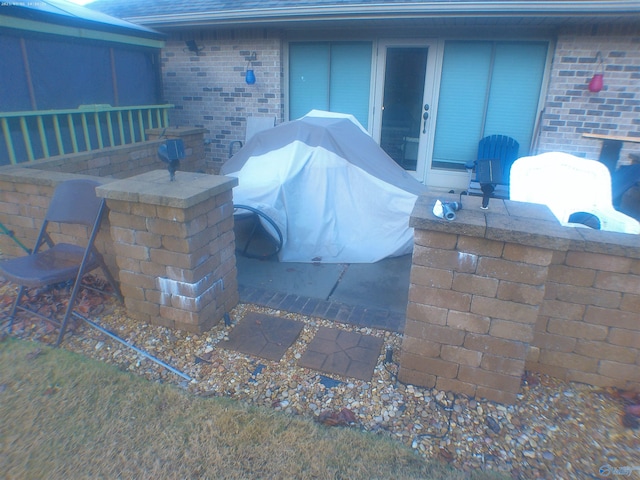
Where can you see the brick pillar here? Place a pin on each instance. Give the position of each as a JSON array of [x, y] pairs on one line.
[[476, 287], [175, 247]]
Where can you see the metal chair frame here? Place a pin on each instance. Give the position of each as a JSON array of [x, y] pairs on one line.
[[73, 202]]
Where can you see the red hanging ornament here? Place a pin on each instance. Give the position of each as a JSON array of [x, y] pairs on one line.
[[597, 81]]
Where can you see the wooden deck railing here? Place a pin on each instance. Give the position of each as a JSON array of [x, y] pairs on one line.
[[31, 135]]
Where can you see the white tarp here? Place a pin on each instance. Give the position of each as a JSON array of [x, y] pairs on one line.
[[335, 194], [567, 185]]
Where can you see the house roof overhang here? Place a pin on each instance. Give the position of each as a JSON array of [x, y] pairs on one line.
[[70, 20], [310, 13]]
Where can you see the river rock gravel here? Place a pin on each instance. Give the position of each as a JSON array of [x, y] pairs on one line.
[[555, 430]]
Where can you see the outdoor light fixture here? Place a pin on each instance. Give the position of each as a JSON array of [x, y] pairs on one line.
[[597, 81], [250, 77], [192, 46]]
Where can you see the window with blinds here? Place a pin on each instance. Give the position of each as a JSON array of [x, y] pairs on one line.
[[332, 76], [486, 88]]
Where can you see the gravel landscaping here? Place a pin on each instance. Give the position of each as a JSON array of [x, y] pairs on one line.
[[556, 429]]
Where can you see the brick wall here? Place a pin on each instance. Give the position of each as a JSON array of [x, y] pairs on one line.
[[24, 198], [127, 160], [209, 89], [571, 109], [589, 325], [500, 291]]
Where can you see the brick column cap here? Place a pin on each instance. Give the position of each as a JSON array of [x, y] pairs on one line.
[[155, 188], [507, 221]]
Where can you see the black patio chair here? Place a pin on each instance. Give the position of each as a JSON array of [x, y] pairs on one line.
[[73, 202]]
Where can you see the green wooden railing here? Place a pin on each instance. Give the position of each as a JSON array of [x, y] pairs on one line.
[[31, 135]]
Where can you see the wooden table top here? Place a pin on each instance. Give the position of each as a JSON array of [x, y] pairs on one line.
[[611, 137]]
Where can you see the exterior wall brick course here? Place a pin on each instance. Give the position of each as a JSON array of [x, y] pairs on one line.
[[475, 284], [426, 313], [605, 351], [444, 335], [117, 219], [496, 346], [136, 252], [507, 366], [480, 246], [569, 361], [444, 259], [147, 239], [618, 282], [421, 347], [558, 343], [630, 303], [495, 395], [582, 330], [426, 238], [514, 272], [612, 318], [624, 338], [597, 261], [414, 377], [593, 379], [469, 322], [621, 371], [580, 277], [131, 291], [440, 298], [431, 277], [141, 307], [451, 384], [123, 235], [493, 307], [139, 209], [588, 296], [498, 381], [558, 309], [510, 330], [519, 293], [137, 279], [461, 355], [439, 367], [526, 254]]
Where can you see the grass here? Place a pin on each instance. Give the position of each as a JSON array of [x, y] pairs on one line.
[[66, 416]]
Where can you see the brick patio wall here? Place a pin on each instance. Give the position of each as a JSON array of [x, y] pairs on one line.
[[571, 109], [173, 253], [496, 293], [25, 194]]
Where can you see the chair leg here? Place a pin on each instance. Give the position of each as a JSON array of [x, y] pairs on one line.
[[67, 314], [14, 308]]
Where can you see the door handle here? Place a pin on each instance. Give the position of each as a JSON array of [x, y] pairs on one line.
[[425, 116]]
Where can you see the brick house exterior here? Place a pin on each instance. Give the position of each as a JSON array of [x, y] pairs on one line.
[[209, 91]]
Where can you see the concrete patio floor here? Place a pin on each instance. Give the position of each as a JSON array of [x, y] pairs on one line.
[[373, 294]]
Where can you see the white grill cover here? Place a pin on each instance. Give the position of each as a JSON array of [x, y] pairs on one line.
[[335, 194]]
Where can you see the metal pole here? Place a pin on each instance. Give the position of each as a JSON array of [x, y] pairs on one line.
[[133, 347], [8, 232]]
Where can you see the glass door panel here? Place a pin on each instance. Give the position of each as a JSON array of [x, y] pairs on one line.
[[402, 104]]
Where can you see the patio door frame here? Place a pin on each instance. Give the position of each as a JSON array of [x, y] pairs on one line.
[[435, 48]]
